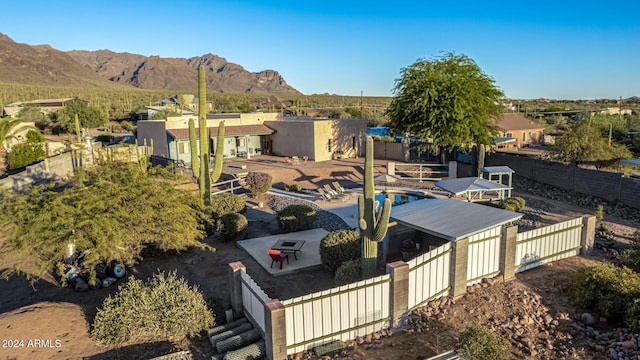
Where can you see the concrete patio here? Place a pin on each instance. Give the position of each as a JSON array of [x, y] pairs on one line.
[[308, 256]]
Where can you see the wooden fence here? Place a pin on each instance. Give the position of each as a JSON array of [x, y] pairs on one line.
[[341, 313], [547, 244], [429, 276], [253, 299]]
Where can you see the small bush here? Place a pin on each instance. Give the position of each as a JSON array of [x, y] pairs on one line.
[[227, 203], [348, 272], [606, 288], [631, 255], [24, 154], [599, 213], [480, 342], [164, 307], [296, 218], [339, 246], [293, 187], [258, 183], [232, 226], [512, 204], [105, 138]]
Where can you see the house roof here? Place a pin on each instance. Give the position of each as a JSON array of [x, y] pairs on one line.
[[463, 185], [257, 129], [451, 219], [497, 170], [512, 121]]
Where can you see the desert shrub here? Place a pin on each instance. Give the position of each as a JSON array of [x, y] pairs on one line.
[[348, 272], [227, 203], [258, 183], [232, 226], [599, 213], [606, 288], [339, 246], [631, 255], [24, 154], [296, 218], [163, 307], [480, 342], [512, 204], [34, 137], [292, 187]]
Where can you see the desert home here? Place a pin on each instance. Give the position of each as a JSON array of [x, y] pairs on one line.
[[259, 133], [517, 131]]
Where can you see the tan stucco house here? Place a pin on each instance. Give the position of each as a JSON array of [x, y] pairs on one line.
[[252, 134], [523, 131]]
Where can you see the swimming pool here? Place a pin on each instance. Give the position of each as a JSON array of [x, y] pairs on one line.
[[398, 198]]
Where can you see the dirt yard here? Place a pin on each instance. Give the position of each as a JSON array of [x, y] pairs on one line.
[[45, 321]]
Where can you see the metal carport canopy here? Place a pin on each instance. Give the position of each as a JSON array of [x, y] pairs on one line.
[[451, 219], [469, 184]]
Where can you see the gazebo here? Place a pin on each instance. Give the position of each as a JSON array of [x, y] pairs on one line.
[[473, 188], [498, 172]]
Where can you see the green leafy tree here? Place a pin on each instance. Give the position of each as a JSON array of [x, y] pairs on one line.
[[89, 116], [165, 113], [585, 144], [112, 213], [449, 100]]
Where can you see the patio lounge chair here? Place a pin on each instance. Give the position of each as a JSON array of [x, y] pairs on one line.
[[330, 191], [325, 196], [277, 256], [341, 190]]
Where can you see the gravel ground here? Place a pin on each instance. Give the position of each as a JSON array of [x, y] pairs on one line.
[[324, 219]]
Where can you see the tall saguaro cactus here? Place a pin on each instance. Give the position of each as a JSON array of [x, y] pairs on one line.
[[204, 181], [193, 145], [217, 166], [373, 223]]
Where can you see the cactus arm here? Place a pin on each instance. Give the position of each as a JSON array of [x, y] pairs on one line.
[[217, 166], [77, 122], [193, 145], [383, 221]]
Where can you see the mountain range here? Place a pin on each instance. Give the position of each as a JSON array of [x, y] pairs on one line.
[[44, 65]]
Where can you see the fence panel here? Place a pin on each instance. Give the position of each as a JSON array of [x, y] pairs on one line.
[[253, 299], [547, 244], [484, 255], [341, 313], [429, 276]]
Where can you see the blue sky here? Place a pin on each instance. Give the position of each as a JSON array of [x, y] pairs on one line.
[[546, 49]]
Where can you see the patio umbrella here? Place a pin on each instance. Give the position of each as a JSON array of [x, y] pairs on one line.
[[386, 178]]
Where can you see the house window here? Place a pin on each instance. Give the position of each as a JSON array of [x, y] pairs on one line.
[[240, 142], [183, 147], [508, 135], [526, 136], [329, 145]]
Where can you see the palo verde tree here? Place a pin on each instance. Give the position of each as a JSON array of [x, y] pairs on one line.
[[449, 100], [584, 143], [89, 116], [113, 212]]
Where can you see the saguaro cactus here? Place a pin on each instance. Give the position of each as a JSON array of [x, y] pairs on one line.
[[77, 123], [217, 166], [373, 223], [204, 181], [193, 145]]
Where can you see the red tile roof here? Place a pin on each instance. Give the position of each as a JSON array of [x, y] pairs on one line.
[[514, 121], [257, 129]]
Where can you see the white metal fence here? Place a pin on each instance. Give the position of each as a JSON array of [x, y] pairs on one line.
[[253, 299], [429, 276], [343, 313], [547, 244], [484, 255]]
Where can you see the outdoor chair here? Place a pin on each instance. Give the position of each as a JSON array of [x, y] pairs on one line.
[[325, 196], [277, 256], [341, 190], [330, 191]]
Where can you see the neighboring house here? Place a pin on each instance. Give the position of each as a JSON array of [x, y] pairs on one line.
[[46, 105], [318, 139], [253, 134], [615, 111], [524, 131]]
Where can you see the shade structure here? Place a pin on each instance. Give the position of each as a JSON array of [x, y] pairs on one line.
[[472, 187]]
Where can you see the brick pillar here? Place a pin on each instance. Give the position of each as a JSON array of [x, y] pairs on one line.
[[453, 169], [275, 334], [588, 234], [391, 168], [235, 286], [508, 252], [399, 272], [459, 268]]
